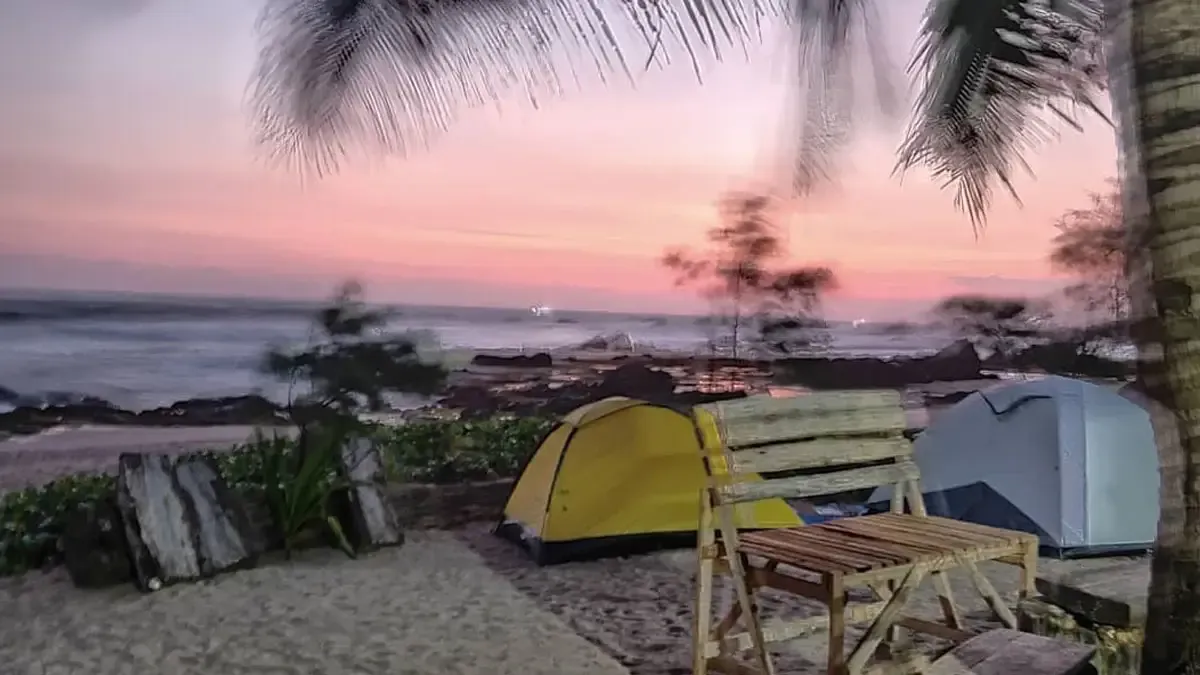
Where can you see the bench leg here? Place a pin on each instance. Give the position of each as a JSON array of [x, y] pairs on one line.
[[745, 599], [993, 599], [703, 609], [946, 599], [1029, 561], [837, 625], [895, 639], [857, 660]]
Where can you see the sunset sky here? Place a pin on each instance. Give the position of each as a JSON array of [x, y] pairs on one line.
[[126, 164]]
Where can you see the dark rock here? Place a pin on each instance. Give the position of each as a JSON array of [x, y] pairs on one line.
[[237, 410], [94, 548], [8, 395], [475, 401], [1064, 358], [541, 360], [371, 520], [181, 521], [959, 361], [233, 410], [694, 398], [636, 380]]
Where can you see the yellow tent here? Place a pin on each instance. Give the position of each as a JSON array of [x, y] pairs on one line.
[[615, 477]]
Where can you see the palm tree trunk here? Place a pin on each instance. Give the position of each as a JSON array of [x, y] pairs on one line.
[[1160, 143]]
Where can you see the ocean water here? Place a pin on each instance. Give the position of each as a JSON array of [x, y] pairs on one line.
[[140, 352]]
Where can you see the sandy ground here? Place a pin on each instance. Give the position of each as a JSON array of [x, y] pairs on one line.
[[431, 606], [32, 460], [639, 609], [446, 602]]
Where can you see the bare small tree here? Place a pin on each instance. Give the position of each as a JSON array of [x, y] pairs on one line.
[[740, 272], [1091, 245]]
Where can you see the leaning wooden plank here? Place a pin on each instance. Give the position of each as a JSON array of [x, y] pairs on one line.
[[799, 487], [219, 520], [373, 522], [820, 452], [1004, 651], [156, 526], [181, 520]]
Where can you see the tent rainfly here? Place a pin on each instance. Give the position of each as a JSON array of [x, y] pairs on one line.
[[616, 477], [1067, 460]]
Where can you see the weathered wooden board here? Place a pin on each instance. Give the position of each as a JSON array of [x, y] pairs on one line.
[[1109, 591], [1007, 652], [181, 521], [759, 420], [819, 453], [220, 522], [798, 487], [372, 521]]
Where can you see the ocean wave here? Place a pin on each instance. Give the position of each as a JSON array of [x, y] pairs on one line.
[[25, 310]]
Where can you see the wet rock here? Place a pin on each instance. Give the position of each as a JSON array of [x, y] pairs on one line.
[[181, 520], [372, 521], [611, 342], [474, 400], [636, 380], [94, 549], [233, 410], [237, 410], [540, 360], [959, 361], [1064, 358]]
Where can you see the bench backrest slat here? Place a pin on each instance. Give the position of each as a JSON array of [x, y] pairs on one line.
[[760, 420], [798, 487], [818, 453], [855, 437]]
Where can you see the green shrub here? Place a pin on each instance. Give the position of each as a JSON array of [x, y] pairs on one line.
[[32, 520], [443, 451], [457, 451]]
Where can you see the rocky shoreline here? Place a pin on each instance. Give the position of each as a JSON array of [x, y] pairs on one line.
[[552, 385]]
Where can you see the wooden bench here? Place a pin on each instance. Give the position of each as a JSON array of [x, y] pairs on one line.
[[835, 442], [1001, 652]]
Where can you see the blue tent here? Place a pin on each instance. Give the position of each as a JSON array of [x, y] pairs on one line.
[[1067, 460]]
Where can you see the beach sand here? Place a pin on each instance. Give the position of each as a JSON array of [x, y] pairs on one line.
[[455, 602], [445, 602], [37, 459], [430, 606]]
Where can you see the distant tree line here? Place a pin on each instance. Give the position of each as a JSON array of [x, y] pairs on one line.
[[771, 308]]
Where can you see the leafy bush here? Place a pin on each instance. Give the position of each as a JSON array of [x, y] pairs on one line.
[[295, 485], [32, 520], [457, 451]]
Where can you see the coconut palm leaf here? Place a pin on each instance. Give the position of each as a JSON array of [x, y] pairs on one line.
[[341, 77], [996, 74], [337, 77]]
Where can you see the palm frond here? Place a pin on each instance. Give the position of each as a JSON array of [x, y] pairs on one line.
[[829, 34], [996, 75], [336, 77]]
